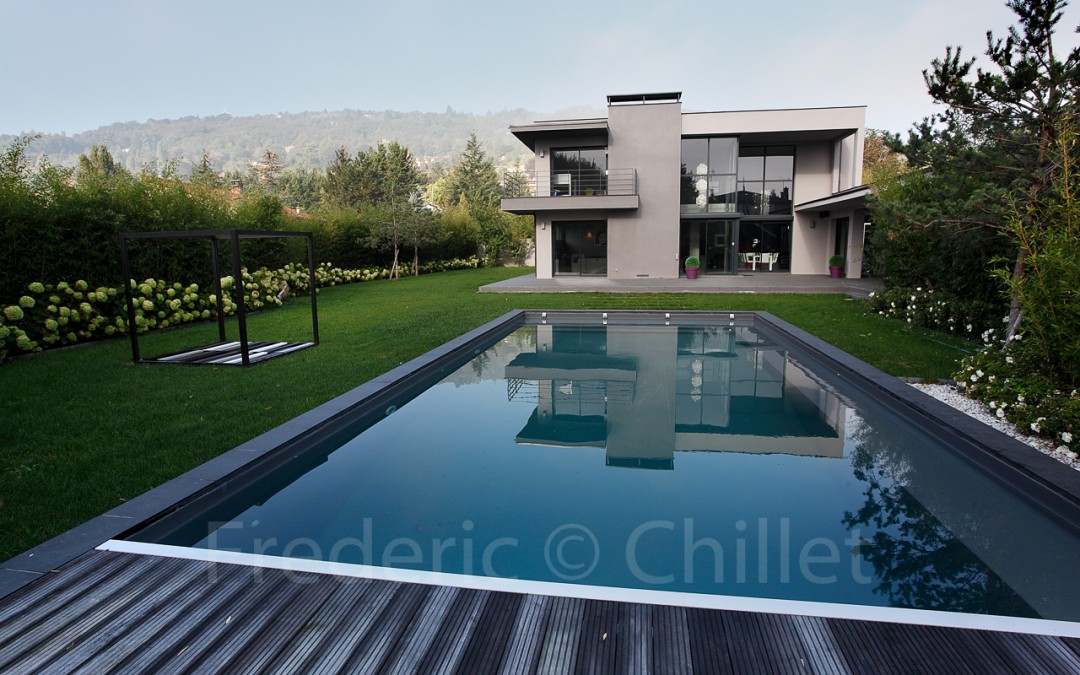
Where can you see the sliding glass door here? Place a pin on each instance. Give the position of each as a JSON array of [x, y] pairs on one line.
[[765, 246], [580, 247]]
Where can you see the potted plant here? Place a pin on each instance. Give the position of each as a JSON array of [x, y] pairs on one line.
[[692, 264], [836, 266]]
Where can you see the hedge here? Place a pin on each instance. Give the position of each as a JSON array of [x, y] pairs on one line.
[[60, 314]]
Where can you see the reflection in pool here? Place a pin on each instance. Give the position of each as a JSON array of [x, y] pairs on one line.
[[707, 459]]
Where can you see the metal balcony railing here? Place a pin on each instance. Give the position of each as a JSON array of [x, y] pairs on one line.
[[570, 183]]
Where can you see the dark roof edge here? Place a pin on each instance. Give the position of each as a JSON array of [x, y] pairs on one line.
[[657, 97]]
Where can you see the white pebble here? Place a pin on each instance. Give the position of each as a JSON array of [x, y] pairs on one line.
[[948, 395]]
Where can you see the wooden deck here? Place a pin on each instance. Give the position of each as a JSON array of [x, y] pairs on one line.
[[119, 612]]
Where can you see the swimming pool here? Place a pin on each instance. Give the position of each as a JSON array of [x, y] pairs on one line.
[[699, 454]]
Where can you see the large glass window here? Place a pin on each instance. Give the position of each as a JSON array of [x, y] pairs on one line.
[[578, 171], [708, 175], [766, 178]]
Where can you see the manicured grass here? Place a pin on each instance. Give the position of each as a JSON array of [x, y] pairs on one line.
[[84, 430]]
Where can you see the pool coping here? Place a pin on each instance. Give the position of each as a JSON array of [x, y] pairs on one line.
[[1060, 484]]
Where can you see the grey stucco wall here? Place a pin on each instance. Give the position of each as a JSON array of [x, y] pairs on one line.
[[645, 242]]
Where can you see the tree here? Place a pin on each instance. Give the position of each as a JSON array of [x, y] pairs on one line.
[[421, 229], [204, 172], [474, 178], [268, 168], [879, 159], [389, 179], [14, 164], [383, 176], [437, 191], [341, 184], [388, 175], [1048, 229], [98, 164], [1018, 109], [940, 215], [300, 187]]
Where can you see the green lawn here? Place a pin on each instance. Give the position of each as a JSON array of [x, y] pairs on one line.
[[83, 429]]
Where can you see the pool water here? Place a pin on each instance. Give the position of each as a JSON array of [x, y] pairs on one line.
[[703, 459]]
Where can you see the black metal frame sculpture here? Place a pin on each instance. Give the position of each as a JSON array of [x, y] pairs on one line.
[[222, 352]]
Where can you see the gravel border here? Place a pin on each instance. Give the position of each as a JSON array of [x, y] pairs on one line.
[[950, 396]]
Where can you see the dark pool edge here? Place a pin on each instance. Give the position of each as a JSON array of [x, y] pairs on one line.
[[1060, 483], [51, 555]]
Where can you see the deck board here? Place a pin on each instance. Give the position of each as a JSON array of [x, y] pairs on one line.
[[118, 612]]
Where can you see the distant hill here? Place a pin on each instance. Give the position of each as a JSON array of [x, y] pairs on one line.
[[306, 139]]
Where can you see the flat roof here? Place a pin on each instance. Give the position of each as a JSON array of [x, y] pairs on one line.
[[775, 125], [843, 198], [528, 133]]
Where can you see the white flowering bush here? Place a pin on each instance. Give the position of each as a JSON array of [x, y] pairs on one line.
[[922, 306], [62, 314], [1005, 381]]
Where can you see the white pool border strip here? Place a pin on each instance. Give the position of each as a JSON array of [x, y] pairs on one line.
[[918, 617]]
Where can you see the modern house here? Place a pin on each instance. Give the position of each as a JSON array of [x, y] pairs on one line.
[[634, 194]]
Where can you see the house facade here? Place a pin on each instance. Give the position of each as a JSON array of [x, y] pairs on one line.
[[634, 194]]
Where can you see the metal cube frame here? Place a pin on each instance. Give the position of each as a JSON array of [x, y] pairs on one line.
[[215, 351]]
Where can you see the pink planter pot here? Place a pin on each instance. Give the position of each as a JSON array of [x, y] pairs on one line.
[[691, 272], [835, 272]]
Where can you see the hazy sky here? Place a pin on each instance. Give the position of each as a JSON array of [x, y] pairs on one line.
[[74, 65]]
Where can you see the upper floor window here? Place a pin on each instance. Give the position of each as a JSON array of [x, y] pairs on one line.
[[707, 181], [766, 180], [578, 171]]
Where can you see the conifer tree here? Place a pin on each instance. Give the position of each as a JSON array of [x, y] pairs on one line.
[[1015, 111], [475, 178]]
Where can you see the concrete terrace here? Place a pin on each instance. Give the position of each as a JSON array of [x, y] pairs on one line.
[[762, 282]]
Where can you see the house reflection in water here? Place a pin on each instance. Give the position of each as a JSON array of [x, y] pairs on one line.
[[646, 392]]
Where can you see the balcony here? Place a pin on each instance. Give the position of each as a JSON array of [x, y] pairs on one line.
[[572, 189]]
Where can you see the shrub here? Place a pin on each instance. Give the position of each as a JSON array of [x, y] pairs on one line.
[[1005, 381], [51, 316], [927, 308]]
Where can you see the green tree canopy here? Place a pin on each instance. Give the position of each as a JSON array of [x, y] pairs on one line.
[[1016, 110], [388, 175], [383, 176], [98, 164], [969, 164], [204, 173], [474, 178]]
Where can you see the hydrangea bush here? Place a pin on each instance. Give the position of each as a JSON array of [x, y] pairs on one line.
[[49, 316]]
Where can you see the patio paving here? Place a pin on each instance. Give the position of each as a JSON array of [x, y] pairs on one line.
[[748, 282]]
